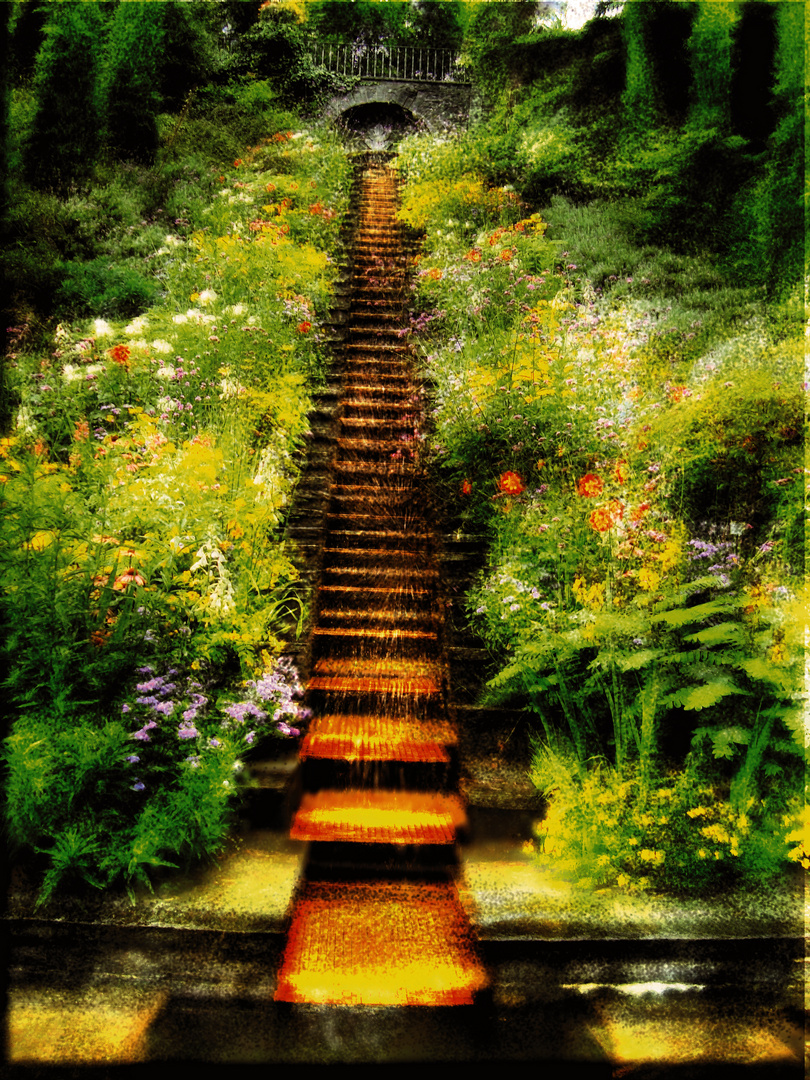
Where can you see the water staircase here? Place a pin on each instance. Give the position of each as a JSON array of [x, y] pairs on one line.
[[378, 918]]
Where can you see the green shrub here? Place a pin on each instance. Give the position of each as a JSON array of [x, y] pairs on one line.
[[106, 289], [63, 140]]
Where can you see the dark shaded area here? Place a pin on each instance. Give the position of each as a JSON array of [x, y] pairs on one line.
[[753, 72], [666, 35], [378, 126]]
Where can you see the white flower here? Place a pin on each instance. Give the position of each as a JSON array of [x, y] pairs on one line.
[[159, 345], [71, 373], [139, 344], [172, 241], [165, 373], [194, 313], [207, 296], [179, 319], [137, 326], [231, 389], [93, 369], [101, 328], [24, 421], [236, 309]]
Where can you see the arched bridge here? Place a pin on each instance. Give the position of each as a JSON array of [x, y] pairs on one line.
[[389, 88]]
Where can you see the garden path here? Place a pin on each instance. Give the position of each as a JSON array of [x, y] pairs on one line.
[[378, 918]]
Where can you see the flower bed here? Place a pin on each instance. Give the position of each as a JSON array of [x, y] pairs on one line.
[[146, 590], [640, 479]]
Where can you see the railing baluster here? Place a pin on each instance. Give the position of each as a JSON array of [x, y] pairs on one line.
[[388, 62]]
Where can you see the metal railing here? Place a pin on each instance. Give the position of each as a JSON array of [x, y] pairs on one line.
[[406, 62]]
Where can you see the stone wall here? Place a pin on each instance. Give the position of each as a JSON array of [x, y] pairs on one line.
[[437, 105]]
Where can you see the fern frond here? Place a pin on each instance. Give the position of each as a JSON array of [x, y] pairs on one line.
[[720, 634]]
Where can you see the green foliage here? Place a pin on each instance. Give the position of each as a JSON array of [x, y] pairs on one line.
[[710, 48], [102, 804], [623, 425], [63, 139], [675, 833], [131, 80], [115, 290]]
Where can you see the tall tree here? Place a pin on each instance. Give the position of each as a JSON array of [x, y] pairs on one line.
[[131, 83], [64, 133], [5, 289]]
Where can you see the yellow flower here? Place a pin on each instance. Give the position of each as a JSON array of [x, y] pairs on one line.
[[622, 880], [633, 841], [650, 856], [648, 579], [702, 853]]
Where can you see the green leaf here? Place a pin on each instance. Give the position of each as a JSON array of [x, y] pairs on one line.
[[638, 659], [722, 633], [724, 741], [702, 697], [683, 616]]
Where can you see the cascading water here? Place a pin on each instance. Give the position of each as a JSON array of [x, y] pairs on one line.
[[378, 919]]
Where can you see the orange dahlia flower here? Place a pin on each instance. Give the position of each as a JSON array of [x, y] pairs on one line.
[[590, 486], [511, 484]]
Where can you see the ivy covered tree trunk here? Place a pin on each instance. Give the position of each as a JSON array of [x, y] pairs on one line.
[[710, 49], [63, 143], [131, 79]]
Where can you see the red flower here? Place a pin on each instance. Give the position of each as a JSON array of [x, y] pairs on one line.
[[473, 256], [590, 486], [601, 519], [119, 354], [129, 577], [640, 511], [466, 487], [304, 327], [511, 484], [237, 163], [605, 517]]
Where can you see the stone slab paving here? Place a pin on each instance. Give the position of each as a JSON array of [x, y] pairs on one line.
[[189, 975]]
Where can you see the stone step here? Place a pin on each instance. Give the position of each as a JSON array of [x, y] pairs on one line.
[[379, 816]]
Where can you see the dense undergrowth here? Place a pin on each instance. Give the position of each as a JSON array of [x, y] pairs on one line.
[[624, 424], [154, 446]]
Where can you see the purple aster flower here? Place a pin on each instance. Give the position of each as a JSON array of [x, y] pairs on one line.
[[126, 708], [138, 786], [187, 731], [250, 737], [165, 707], [214, 742], [132, 758]]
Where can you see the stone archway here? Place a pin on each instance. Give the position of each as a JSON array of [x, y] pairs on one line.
[[377, 125], [435, 105]]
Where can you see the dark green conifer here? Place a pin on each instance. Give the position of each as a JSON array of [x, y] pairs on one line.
[[63, 142], [131, 81]]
